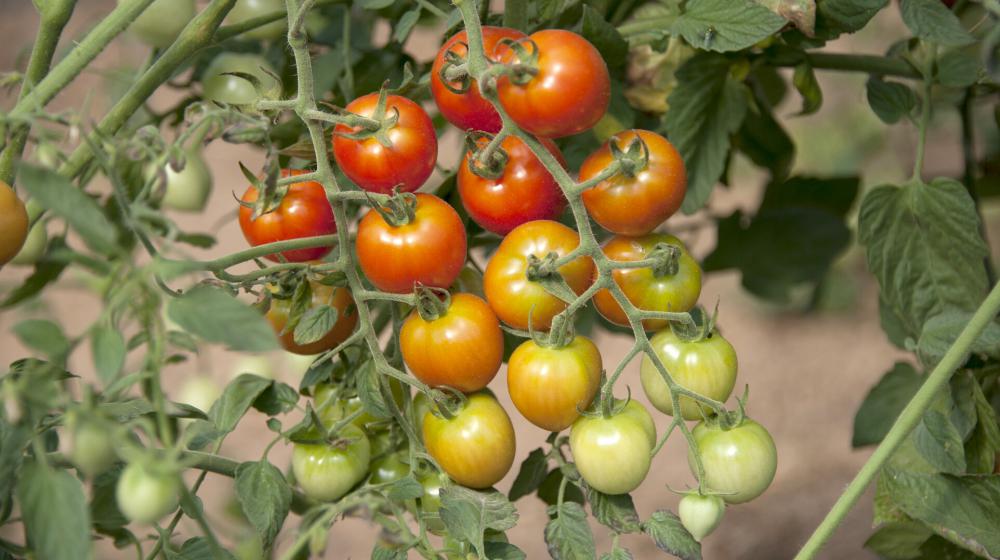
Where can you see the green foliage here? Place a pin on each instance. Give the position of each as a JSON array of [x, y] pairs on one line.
[[56, 518], [671, 537], [567, 534], [883, 404], [264, 496], [726, 25], [209, 312]]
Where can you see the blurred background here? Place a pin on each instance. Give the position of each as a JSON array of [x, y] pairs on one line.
[[808, 371]]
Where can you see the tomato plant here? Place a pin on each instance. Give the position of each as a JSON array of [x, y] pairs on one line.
[[303, 212], [326, 472], [739, 462], [339, 299], [706, 366], [549, 385], [476, 446]]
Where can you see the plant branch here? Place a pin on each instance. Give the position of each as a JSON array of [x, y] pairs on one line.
[[867, 63]]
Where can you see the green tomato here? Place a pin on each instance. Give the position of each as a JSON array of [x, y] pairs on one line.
[[145, 495], [389, 468], [430, 502], [613, 454], [739, 463], [187, 190], [199, 391], [162, 21], [91, 447], [701, 515], [244, 10], [327, 472], [331, 408], [707, 367], [233, 89]]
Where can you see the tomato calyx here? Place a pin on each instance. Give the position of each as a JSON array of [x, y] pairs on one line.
[[524, 68], [269, 192], [378, 125], [397, 210], [485, 156], [432, 303], [455, 69], [665, 257], [700, 325], [633, 159], [448, 401]]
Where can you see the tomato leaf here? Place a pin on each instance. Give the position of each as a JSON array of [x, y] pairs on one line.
[[44, 336], [497, 550], [314, 324], [108, 349], [370, 392], [834, 17], [604, 36], [958, 68], [468, 514], [531, 475], [13, 440], [405, 25], [236, 400], [932, 21], [726, 25], [265, 498], [671, 537], [614, 511], [766, 142], [197, 548], [567, 534], [891, 101], [46, 271], [899, 540], [938, 441], [883, 404], [406, 488], [548, 490], [805, 82], [984, 444], [617, 554], [941, 331], [277, 398], [55, 514], [382, 553], [216, 316]]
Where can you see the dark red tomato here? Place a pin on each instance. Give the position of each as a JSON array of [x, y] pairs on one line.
[[304, 212], [430, 249], [405, 163], [635, 204], [337, 298], [526, 191], [569, 93], [468, 111]]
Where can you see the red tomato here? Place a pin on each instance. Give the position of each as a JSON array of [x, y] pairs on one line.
[[550, 385], [405, 163], [569, 93], [337, 298], [463, 348], [526, 191], [512, 295], [670, 292], [468, 111], [476, 446], [304, 212], [635, 204], [430, 249]]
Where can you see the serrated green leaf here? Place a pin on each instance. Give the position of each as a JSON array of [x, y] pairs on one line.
[[108, 349], [104, 510], [932, 21], [984, 444], [406, 488], [604, 36], [671, 537], [726, 25], [405, 25], [468, 514], [804, 80], [370, 392], [883, 404], [567, 534], [278, 398], [496, 550], [265, 497], [958, 68], [44, 336], [236, 400], [941, 331], [314, 324], [891, 101], [834, 17], [939, 442], [55, 514], [216, 316], [530, 477], [301, 300], [765, 142], [614, 511], [384, 553], [900, 540]]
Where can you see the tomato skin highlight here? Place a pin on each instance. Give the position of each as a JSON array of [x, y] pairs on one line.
[[303, 212], [635, 205], [13, 223], [218, 86], [327, 472], [509, 292], [672, 292], [245, 10], [613, 454], [462, 348], [701, 515], [707, 367], [739, 463], [187, 190], [389, 468], [526, 191], [549, 385], [469, 110], [405, 165], [338, 298], [570, 92], [431, 249], [475, 447], [145, 496]]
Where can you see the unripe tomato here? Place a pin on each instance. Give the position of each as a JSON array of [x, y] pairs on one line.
[[636, 203], [34, 244], [676, 292], [91, 448], [303, 212], [145, 494], [333, 406], [199, 391], [570, 91], [509, 291], [550, 385], [429, 249], [476, 446], [389, 468], [430, 502], [13, 223], [187, 190], [739, 463], [613, 454], [526, 191], [218, 86], [245, 10], [336, 297], [707, 367], [701, 515], [468, 111], [405, 163], [463, 348], [327, 472], [162, 21]]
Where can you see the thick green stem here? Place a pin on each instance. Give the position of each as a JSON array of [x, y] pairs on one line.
[[908, 419], [869, 64], [925, 115]]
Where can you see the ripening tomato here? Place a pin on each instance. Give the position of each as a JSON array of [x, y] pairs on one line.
[[701, 515], [570, 91], [429, 249], [327, 472], [303, 212], [707, 367], [509, 291], [635, 203], [463, 348], [476, 446], [646, 288], [739, 463], [405, 163], [244, 10], [526, 191], [187, 190], [336, 297], [145, 493], [219, 86], [468, 111], [613, 453], [162, 21], [13, 223], [549, 385]]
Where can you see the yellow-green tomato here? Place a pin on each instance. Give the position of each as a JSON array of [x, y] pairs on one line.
[[188, 189], [389, 468], [245, 10], [476, 446], [549, 385], [327, 472], [162, 21], [144, 494], [91, 448], [13, 223], [739, 463], [199, 391], [613, 453], [707, 367], [701, 515], [218, 86], [34, 246]]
